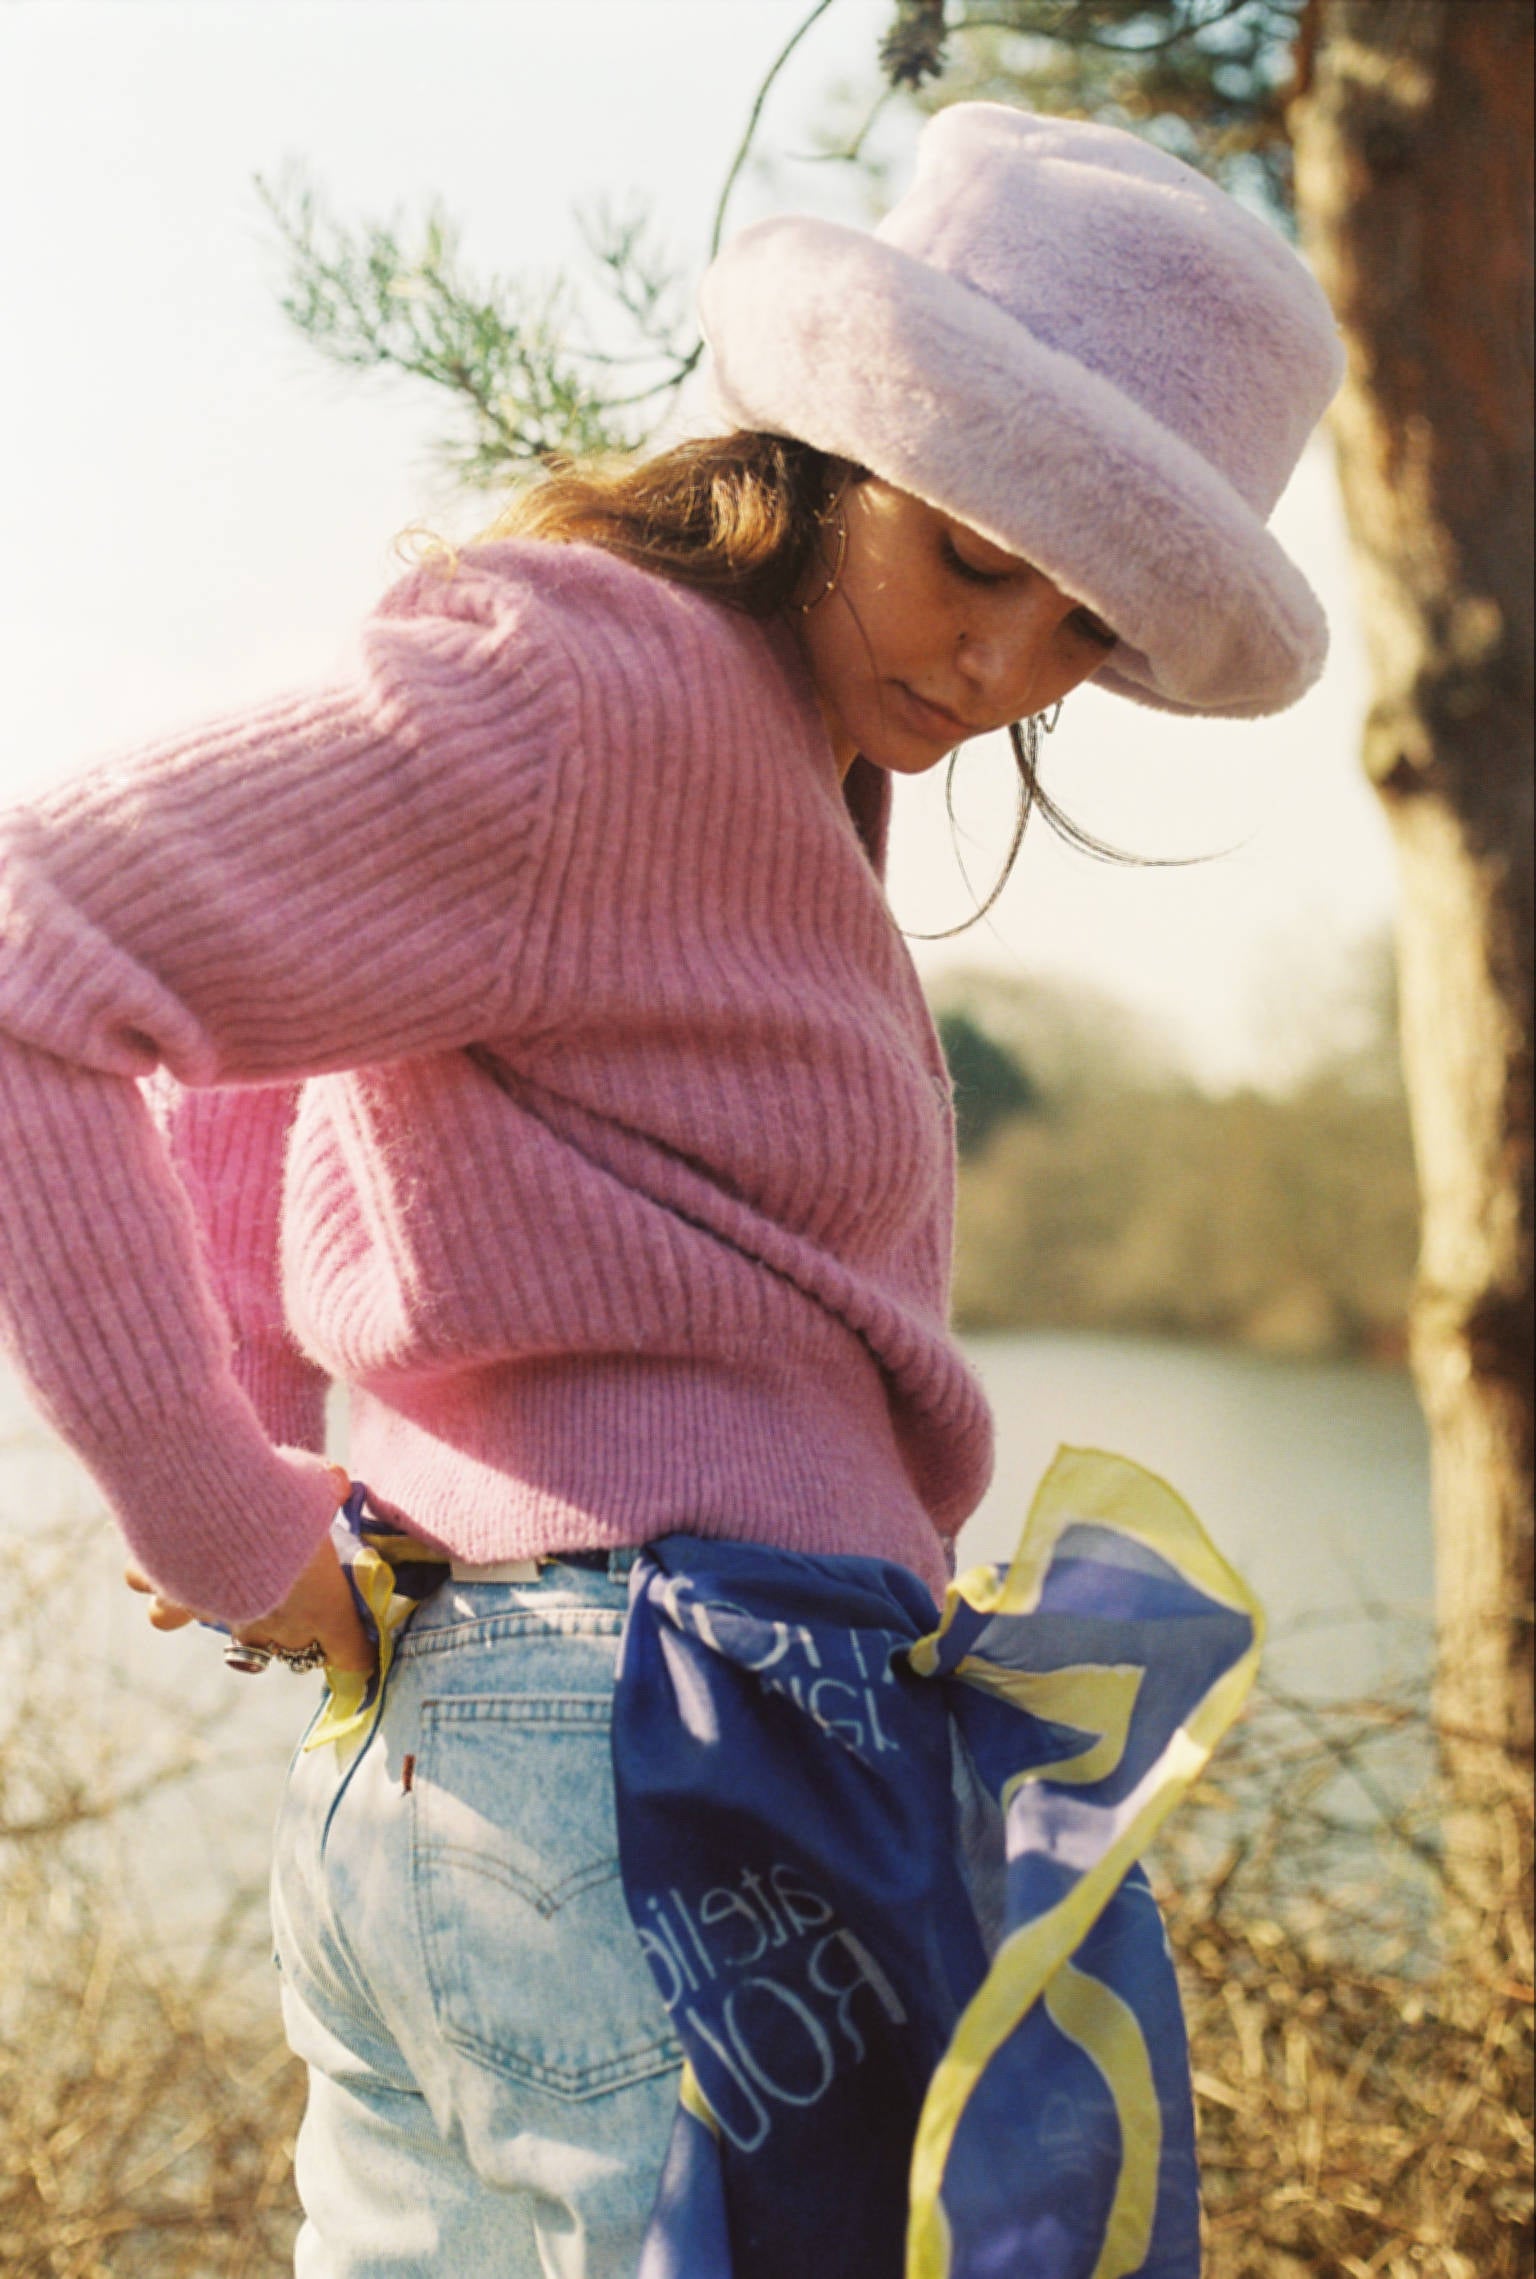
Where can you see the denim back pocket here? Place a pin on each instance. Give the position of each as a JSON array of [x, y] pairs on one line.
[[533, 1965]]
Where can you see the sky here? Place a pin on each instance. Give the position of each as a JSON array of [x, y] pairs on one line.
[[198, 511]]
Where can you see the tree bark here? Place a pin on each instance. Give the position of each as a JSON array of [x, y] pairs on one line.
[[1413, 147]]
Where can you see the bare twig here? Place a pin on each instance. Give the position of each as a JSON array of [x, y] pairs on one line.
[[754, 116]]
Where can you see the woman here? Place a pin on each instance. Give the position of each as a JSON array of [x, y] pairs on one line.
[[552, 1073]]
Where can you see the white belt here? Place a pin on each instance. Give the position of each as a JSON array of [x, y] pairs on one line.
[[499, 1571]]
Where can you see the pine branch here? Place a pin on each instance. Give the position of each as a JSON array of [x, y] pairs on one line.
[[510, 354]]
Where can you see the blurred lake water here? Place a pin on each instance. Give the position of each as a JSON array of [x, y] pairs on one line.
[[1311, 1477]]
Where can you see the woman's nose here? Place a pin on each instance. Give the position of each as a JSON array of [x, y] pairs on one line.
[[993, 657], [1003, 651]]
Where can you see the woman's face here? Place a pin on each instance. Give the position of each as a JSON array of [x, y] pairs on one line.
[[933, 634]]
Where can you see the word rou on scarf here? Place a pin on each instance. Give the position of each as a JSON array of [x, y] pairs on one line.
[[798, 1992]]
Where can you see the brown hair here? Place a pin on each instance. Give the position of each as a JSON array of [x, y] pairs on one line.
[[732, 516]]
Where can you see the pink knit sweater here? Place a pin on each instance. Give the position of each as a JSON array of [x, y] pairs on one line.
[[554, 1075]]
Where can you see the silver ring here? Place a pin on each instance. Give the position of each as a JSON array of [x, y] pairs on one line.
[[310, 1657], [249, 1660]]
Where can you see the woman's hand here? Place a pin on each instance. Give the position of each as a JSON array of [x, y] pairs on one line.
[[319, 1608]]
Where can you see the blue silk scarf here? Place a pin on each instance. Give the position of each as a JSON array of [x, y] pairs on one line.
[[882, 1861]]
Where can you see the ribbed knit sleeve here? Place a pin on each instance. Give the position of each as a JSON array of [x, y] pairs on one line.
[[336, 880], [228, 1148]]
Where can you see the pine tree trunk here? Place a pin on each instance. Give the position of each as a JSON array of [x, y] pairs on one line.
[[1413, 144]]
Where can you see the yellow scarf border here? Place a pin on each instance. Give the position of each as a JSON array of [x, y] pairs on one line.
[[1083, 1486]]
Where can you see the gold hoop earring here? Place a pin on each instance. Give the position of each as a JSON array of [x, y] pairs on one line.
[[837, 567], [1034, 725]]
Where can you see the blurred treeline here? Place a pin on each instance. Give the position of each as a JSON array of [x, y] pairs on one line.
[[1102, 1188]]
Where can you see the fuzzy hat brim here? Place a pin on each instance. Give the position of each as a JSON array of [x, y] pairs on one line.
[[831, 335]]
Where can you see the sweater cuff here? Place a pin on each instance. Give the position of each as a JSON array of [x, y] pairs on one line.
[[220, 1520]]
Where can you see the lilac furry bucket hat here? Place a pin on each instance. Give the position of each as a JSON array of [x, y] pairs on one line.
[[1085, 350]]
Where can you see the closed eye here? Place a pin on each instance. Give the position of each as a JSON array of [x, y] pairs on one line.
[[973, 576], [1083, 621]]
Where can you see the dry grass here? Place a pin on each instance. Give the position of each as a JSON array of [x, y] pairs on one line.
[[149, 2119], [1360, 2009], [147, 2102], [1363, 2072]]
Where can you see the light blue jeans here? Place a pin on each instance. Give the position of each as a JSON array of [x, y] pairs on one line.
[[492, 2074]]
